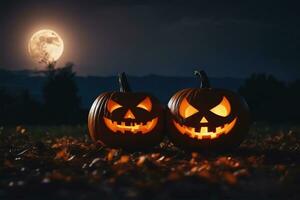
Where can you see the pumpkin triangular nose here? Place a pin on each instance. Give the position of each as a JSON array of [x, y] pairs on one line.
[[203, 120], [129, 115]]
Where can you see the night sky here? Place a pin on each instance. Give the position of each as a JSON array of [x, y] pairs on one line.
[[173, 38]]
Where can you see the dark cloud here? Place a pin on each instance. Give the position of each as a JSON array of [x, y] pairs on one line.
[[228, 38]]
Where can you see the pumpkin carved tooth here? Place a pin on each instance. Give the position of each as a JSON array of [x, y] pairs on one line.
[[203, 130]]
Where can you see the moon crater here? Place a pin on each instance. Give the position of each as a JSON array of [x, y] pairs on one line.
[[45, 46]]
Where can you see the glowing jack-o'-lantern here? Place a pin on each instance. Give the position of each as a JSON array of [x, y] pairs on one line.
[[126, 119], [207, 118]]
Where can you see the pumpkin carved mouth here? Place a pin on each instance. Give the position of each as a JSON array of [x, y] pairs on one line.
[[133, 127], [203, 132]]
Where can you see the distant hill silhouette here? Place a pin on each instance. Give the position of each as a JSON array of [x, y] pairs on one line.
[[91, 86]]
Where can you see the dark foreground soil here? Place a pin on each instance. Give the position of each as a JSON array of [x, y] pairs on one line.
[[53, 163]]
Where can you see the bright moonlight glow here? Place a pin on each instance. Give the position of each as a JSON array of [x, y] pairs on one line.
[[45, 46]]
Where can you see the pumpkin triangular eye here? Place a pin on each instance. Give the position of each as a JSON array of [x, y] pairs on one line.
[[112, 105], [145, 104], [222, 109], [186, 110]]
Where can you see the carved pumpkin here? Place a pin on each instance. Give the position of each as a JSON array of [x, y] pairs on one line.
[[207, 118], [131, 120]]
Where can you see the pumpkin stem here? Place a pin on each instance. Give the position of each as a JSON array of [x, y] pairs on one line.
[[124, 85], [204, 81]]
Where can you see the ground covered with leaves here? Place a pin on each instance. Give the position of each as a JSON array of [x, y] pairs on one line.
[[62, 163]]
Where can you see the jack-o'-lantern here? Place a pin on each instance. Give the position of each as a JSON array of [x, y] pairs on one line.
[[207, 118], [131, 120]]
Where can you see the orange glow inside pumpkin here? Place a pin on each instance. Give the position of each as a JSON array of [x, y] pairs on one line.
[[204, 133], [222, 109], [203, 120], [129, 115], [186, 110], [132, 127], [145, 104], [112, 105]]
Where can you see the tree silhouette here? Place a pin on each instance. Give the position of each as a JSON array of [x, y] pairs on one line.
[[61, 102], [293, 100], [266, 97], [5, 104], [19, 108]]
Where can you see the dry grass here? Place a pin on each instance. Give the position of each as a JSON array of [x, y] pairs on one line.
[[62, 163]]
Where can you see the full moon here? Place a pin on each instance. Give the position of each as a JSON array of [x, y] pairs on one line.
[[45, 46]]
